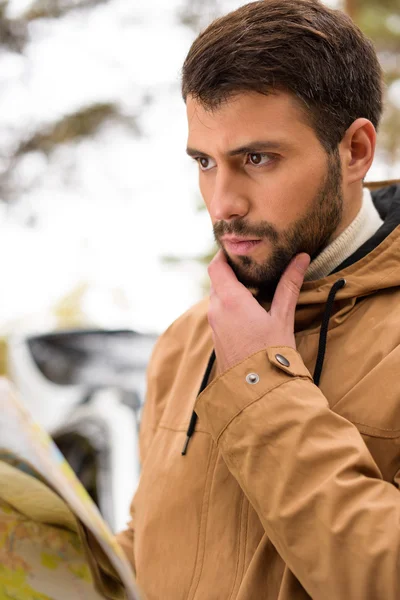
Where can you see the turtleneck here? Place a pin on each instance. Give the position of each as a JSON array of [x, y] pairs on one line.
[[364, 226]]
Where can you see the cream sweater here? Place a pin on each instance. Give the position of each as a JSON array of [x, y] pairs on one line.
[[366, 223]]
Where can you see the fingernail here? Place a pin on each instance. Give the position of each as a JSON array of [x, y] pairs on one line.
[[302, 262]]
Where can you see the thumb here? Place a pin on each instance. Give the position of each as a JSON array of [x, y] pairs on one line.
[[289, 286]]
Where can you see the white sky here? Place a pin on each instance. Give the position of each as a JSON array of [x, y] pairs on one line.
[[109, 208]]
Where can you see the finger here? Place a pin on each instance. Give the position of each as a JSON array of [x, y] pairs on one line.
[[213, 308], [223, 279], [288, 290]]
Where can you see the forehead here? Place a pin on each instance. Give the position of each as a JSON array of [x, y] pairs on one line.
[[248, 116]]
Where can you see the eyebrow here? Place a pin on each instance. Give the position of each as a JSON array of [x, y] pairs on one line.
[[256, 146]]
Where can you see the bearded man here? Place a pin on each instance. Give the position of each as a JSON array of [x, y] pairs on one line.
[[270, 440]]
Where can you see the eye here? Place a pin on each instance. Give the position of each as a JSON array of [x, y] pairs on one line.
[[258, 158], [205, 163]]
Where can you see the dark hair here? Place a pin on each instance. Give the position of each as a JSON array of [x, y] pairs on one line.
[[300, 46]]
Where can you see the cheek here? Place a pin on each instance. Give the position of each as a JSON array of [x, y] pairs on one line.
[[277, 204], [206, 190], [290, 197]]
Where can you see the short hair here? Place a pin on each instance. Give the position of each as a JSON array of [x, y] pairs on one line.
[[299, 46]]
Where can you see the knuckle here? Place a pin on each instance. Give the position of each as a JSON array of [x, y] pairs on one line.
[[292, 287], [230, 300]]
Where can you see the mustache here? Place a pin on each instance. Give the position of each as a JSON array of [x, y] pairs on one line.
[[239, 227]]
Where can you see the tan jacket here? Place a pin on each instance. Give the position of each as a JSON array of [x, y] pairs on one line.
[[288, 491]]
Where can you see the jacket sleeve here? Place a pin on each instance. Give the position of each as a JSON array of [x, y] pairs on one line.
[[310, 477]]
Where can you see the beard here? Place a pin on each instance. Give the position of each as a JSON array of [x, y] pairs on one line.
[[310, 234]]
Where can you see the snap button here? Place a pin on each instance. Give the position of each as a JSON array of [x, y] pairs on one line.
[[282, 360], [252, 378]]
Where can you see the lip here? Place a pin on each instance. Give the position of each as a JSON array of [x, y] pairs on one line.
[[237, 240], [239, 246]]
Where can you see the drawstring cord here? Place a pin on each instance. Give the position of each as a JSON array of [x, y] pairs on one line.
[[338, 285], [193, 419]]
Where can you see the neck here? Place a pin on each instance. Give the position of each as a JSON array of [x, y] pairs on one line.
[[363, 226], [350, 211]]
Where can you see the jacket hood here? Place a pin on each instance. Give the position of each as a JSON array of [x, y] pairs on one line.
[[374, 266]]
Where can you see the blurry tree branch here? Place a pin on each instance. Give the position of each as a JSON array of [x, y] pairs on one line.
[[53, 9], [196, 14], [13, 32], [83, 123]]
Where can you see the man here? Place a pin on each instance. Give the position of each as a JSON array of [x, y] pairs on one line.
[[283, 482]]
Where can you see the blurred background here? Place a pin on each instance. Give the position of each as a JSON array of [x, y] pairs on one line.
[[102, 234]]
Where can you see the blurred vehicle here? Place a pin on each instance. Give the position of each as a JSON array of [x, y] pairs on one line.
[[87, 388]]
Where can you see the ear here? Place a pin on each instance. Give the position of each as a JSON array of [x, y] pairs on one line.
[[357, 150]]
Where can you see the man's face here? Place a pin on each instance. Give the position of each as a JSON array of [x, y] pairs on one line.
[[269, 186]]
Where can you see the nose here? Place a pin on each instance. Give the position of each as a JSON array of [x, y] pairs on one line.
[[229, 199]]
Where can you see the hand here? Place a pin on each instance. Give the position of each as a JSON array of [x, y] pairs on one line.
[[240, 325]]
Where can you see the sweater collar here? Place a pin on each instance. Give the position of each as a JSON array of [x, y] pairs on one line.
[[362, 228]]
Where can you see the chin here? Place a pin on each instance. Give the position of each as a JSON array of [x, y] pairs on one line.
[[245, 273], [261, 277]]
